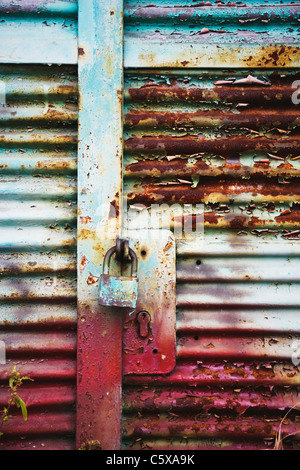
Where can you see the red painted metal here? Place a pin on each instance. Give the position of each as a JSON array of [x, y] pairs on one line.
[[98, 377], [154, 351]]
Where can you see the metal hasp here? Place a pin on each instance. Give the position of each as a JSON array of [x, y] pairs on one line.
[[149, 334], [118, 291]]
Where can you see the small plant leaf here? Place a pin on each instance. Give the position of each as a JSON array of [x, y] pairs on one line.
[[23, 408], [15, 381], [11, 382]]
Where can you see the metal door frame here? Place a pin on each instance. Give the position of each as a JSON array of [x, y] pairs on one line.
[[99, 368]]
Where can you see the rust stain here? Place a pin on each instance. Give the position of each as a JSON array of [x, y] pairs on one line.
[[205, 370], [237, 222], [114, 209], [286, 212], [85, 234], [212, 218], [179, 167], [168, 245], [274, 56], [83, 263], [92, 279], [164, 168], [289, 216], [85, 220]]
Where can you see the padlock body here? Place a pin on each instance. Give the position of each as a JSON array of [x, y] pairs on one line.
[[118, 291]]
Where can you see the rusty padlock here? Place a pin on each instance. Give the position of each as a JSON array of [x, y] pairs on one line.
[[118, 291]]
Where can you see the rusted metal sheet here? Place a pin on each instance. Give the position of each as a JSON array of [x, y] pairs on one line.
[[211, 34], [38, 313], [39, 32], [227, 140], [210, 137]]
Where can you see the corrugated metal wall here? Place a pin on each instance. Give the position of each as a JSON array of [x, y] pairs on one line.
[[224, 138], [38, 192], [229, 142]]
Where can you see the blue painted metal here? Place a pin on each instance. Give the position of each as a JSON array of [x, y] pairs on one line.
[[38, 32]]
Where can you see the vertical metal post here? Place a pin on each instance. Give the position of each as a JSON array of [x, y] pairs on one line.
[[99, 369]]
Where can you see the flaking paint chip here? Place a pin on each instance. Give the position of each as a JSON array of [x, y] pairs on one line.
[[92, 279]]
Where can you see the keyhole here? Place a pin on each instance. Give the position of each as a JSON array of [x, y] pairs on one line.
[[143, 319]]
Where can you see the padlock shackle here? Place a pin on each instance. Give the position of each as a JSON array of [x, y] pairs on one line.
[[111, 251], [134, 261], [107, 257]]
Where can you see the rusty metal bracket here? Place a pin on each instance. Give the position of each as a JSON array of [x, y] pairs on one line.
[[152, 348]]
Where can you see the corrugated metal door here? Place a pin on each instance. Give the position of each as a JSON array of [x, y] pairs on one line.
[[38, 199], [193, 136], [209, 119]]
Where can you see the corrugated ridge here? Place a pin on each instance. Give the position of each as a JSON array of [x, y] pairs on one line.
[[38, 252], [202, 13], [209, 427]]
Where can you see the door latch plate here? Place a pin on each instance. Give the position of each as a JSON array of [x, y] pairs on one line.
[[153, 351]]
